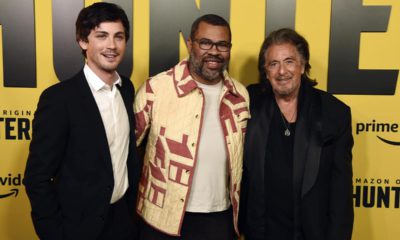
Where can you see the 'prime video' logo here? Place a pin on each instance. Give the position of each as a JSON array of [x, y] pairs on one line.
[[379, 128], [10, 181]]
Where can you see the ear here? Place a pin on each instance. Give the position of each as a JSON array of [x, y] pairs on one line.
[[189, 44], [83, 44]]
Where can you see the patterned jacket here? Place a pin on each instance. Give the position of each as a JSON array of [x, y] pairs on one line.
[[169, 107]]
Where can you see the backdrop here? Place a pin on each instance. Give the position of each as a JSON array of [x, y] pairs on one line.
[[354, 55]]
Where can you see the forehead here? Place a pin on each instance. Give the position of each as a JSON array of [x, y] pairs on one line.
[[215, 33], [282, 51], [111, 27]]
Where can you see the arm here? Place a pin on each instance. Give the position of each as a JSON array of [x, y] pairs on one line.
[[46, 152], [252, 200], [143, 108], [341, 213]]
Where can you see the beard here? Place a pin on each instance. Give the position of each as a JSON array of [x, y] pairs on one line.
[[196, 65]]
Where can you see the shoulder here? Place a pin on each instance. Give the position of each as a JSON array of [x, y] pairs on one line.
[[127, 82], [257, 89], [63, 89], [161, 79], [241, 89], [331, 104], [336, 115], [259, 95]]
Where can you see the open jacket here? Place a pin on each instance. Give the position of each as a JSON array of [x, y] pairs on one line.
[[69, 174], [322, 168]]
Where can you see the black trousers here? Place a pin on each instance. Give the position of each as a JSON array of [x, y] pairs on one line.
[[197, 226], [120, 225]]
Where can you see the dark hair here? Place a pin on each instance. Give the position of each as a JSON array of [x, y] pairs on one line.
[[92, 16], [286, 35], [211, 19]]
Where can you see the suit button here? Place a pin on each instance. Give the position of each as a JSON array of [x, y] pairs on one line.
[[102, 218]]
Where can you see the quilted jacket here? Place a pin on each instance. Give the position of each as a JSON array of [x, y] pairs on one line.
[[169, 111]]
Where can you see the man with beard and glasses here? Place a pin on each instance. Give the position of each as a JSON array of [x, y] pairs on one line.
[[297, 173], [194, 118], [82, 171]]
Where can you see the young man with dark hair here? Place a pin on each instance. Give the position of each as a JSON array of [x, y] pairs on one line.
[[82, 170], [194, 117]]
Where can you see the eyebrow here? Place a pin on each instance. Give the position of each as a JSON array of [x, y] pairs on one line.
[[99, 31], [105, 32], [288, 58]]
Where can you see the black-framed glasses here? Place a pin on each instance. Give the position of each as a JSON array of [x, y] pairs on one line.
[[207, 44]]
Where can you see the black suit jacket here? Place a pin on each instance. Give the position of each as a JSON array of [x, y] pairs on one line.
[[69, 177], [322, 168]]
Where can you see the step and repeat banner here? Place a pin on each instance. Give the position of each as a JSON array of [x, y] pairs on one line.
[[355, 48]]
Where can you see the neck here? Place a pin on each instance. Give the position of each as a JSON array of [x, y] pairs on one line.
[[199, 79], [108, 77], [288, 107]]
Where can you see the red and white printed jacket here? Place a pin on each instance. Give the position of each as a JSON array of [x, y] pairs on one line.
[[169, 107]]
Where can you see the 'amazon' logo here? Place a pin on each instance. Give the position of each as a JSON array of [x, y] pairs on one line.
[[379, 127], [388, 141], [11, 181], [13, 191]]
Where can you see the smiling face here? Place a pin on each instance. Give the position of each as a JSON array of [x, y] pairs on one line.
[[207, 66], [284, 67], [105, 47]]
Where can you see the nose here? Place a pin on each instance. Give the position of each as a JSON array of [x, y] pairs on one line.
[[282, 69], [111, 43]]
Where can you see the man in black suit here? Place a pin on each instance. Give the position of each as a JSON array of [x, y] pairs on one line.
[[297, 180], [82, 171]]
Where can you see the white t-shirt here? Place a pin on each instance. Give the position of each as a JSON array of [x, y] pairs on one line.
[[210, 191]]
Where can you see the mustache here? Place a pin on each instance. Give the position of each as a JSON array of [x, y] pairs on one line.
[[111, 52], [213, 58]]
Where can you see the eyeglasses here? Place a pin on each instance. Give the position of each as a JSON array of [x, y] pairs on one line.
[[207, 44]]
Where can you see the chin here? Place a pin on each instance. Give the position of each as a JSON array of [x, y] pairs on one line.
[[110, 67], [211, 75], [282, 92]]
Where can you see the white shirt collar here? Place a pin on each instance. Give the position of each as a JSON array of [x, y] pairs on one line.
[[95, 82]]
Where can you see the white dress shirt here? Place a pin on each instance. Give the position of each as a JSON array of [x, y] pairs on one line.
[[116, 124]]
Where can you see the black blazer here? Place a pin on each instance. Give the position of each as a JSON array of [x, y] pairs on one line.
[[322, 168], [68, 177]]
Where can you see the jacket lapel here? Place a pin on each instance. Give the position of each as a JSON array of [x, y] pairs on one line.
[[265, 117], [315, 143], [94, 117], [128, 103], [301, 143]]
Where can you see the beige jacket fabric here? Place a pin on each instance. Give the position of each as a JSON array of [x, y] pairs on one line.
[[169, 110]]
